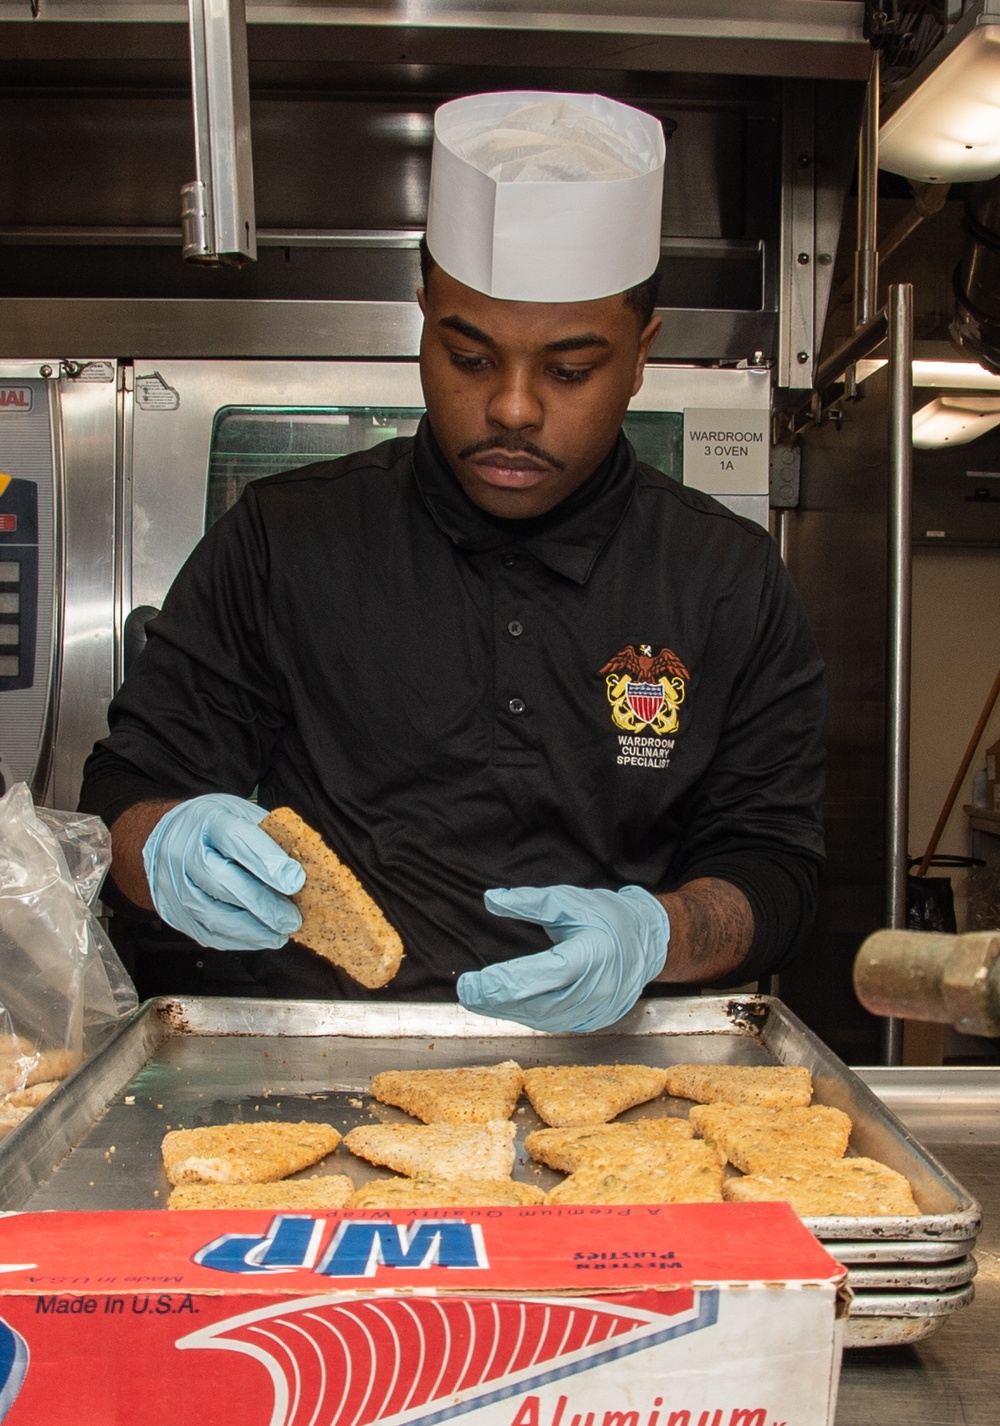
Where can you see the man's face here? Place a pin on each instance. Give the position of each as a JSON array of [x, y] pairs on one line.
[[525, 399]]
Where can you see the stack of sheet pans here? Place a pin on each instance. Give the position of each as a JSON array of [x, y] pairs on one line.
[[95, 1144]]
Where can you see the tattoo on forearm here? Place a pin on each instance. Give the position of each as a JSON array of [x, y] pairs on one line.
[[711, 929]]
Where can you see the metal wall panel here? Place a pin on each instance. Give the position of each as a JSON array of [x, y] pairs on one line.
[[836, 550]]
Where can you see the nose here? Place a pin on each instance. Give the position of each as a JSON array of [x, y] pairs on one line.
[[514, 404]]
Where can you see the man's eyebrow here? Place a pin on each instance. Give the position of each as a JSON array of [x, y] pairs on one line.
[[575, 344], [455, 323], [466, 329]]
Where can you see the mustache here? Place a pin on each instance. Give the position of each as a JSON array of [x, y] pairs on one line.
[[511, 447]]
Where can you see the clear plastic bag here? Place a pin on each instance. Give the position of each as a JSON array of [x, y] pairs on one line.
[[62, 986]]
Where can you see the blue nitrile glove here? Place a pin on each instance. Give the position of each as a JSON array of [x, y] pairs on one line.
[[214, 875], [607, 946]]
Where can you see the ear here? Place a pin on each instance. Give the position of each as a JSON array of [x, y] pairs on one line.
[[422, 300], [647, 337]]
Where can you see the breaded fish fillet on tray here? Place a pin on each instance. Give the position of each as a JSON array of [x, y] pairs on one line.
[[245, 1153], [741, 1084], [852, 1187], [757, 1140], [453, 1096], [445, 1193], [329, 1191], [438, 1151], [606, 1146], [566, 1095], [690, 1172]]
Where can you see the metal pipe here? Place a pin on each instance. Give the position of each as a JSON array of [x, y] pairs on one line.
[[866, 256], [897, 791], [864, 341], [928, 201]]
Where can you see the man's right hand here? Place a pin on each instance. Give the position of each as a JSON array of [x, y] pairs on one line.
[[214, 875]]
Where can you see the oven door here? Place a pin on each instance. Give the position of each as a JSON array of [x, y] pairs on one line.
[[201, 430]]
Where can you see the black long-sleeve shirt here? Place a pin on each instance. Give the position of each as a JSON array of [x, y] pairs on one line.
[[624, 690]]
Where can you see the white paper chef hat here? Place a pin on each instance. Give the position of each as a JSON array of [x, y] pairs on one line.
[[542, 197]]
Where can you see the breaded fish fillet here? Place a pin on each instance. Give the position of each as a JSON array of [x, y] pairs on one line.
[[438, 1151], [453, 1096], [329, 1191], [29, 1098], [340, 921], [245, 1153], [444, 1193], [569, 1095], [605, 1146], [690, 1172], [741, 1084], [757, 1140], [23, 1064], [853, 1187]]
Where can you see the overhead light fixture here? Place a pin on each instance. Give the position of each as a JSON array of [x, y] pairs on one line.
[[943, 124], [946, 375], [954, 420]]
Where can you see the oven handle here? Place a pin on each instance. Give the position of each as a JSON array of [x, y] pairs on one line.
[[134, 633]]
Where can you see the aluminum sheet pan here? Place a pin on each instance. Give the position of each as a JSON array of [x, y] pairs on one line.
[[95, 1142], [934, 1278], [929, 1305], [899, 1319], [913, 1253]]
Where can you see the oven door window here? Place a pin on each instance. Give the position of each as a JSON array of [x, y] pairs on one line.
[[658, 438], [250, 442]]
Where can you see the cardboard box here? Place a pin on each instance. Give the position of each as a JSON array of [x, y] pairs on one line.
[[690, 1315]]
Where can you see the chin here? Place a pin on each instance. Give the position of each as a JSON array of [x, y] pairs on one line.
[[511, 504]]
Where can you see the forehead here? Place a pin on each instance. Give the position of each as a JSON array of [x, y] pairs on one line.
[[450, 305]]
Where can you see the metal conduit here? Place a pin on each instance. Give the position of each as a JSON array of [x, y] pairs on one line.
[[900, 452], [898, 314], [866, 256]]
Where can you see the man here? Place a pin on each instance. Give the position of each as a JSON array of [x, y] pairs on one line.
[[500, 656]]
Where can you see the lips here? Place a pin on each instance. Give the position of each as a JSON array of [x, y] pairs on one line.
[[512, 472]]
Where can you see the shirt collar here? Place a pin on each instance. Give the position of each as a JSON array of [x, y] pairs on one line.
[[567, 539]]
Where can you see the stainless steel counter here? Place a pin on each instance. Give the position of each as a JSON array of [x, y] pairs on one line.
[[953, 1376]]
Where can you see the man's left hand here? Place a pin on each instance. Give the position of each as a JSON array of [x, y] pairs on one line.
[[607, 946]]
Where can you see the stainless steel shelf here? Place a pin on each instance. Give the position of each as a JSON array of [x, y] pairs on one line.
[[791, 38]]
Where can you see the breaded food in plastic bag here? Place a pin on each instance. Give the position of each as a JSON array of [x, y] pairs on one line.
[[62, 986]]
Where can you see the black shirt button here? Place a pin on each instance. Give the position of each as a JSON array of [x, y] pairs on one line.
[[515, 628], [508, 561], [516, 705]]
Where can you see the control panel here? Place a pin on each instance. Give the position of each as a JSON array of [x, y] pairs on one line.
[[18, 581], [27, 573]]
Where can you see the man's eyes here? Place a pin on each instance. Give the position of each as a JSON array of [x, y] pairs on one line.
[[469, 363], [565, 374]]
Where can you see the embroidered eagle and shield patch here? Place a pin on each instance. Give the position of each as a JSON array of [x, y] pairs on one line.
[[645, 690]]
